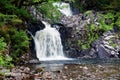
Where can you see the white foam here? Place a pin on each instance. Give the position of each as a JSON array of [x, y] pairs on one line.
[[48, 44], [63, 7], [55, 58]]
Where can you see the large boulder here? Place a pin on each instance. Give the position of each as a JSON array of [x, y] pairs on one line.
[[108, 45]]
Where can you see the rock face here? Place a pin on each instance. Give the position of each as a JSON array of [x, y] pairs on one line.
[[32, 28], [107, 46], [82, 36], [78, 32]]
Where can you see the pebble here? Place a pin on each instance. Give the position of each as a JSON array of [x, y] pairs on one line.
[[39, 70], [73, 72], [47, 75], [26, 70], [71, 79], [85, 68], [80, 67], [66, 67]]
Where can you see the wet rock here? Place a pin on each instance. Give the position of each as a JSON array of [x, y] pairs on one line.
[[26, 70], [93, 53], [64, 77], [1, 77], [102, 52], [38, 70], [47, 75], [18, 73], [66, 67], [85, 68], [103, 46], [4, 70], [71, 53], [34, 61], [37, 76], [108, 37]]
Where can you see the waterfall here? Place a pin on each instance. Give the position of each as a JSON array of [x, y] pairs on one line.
[[48, 43], [64, 8]]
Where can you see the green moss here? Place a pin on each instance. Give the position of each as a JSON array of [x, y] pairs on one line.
[[106, 21], [85, 46], [118, 21], [109, 15], [88, 12], [91, 34], [16, 21], [111, 43], [94, 31]]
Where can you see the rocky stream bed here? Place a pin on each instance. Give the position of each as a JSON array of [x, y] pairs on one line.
[[50, 71]]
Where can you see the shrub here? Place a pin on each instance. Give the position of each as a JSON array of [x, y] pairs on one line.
[[5, 60], [17, 42], [49, 11]]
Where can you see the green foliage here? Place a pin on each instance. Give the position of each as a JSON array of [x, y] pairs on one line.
[[20, 43], [106, 21], [2, 45], [9, 19], [17, 41], [118, 19], [118, 22], [5, 60], [9, 7], [92, 33], [49, 11], [22, 13], [109, 15], [85, 5]]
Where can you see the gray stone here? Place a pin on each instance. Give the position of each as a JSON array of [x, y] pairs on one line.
[[102, 52], [109, 37]]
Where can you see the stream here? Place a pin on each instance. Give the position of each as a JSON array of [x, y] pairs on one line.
[[71, 69], [77, 69]]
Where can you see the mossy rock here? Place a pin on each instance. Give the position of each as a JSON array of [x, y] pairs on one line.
[[88, 12], [118, 22], [109, 16]]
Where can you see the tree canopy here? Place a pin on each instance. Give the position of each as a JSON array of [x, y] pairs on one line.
[[18, 7]]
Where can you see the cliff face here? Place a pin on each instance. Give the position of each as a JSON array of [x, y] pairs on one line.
[[91, 34]]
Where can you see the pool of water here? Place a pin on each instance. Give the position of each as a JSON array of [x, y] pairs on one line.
[[79, 69], [82, 61], [52, 65]]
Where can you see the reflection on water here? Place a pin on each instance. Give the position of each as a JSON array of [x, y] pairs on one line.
[[79, 69], [48, 67], [53, 65]]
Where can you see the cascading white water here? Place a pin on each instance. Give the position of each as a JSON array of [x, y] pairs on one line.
[[48, 44], [63, 7]]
